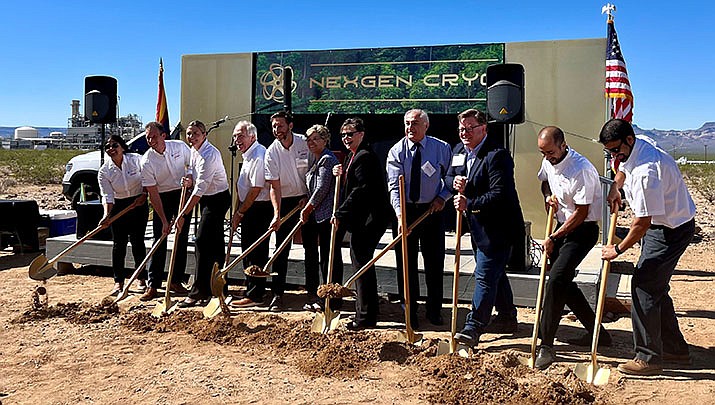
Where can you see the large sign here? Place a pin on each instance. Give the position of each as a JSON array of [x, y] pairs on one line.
[[439, 79]]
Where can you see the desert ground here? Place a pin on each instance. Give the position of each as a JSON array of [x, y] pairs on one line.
[[72, 350]]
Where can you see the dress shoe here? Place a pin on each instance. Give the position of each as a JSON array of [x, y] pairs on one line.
[[468, 337], [149, 294], [502, 324], [545, 357], [178, 288], [640, 367], [118, 287], [244, 303], [276, 303], [604, 340], [681, 359], [189, 302]]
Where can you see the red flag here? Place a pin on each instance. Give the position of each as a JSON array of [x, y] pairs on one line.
[[618, 87], [162, 109]]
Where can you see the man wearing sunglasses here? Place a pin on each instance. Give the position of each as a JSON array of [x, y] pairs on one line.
[[664, 224], [163, 166]]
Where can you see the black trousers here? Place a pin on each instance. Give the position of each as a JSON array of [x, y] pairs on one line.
[[655, 326], [255, 223], [363, 243], [210, 247], [317, 235], [170, 200], [280, 265], [561, 290], [128, 228], [428, 238]]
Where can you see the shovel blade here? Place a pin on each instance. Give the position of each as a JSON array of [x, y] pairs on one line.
[[213, 308], [586, 372], [411, 338], [40, 269], [443, 347], [526, 361], [318, 323], [161, 309]]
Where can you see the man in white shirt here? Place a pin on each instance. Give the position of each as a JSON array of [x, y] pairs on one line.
[[286, 165], [664, 224], [253, 208], [570, 184], [163, 166], [208, 178]]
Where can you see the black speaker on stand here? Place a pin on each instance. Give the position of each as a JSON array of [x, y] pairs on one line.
[[505, 93], [100, 102]]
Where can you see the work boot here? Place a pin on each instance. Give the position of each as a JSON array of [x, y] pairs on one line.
[[640, 367], [468, 337], [276, 304], [545, 357], [149, 294]]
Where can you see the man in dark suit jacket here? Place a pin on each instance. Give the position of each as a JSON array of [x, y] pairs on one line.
[[364, 212], [482, 172]]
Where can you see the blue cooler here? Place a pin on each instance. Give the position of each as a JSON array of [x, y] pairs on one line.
[[62, 222]]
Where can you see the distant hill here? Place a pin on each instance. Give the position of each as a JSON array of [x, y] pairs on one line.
[[682, 142], [42, 132]]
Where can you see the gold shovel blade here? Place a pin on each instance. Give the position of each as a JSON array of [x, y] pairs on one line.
[[443, 347], [585, 372], [213, 308], [40, 269], [526, 361], [161, 309], [411, 338], [326, 321]]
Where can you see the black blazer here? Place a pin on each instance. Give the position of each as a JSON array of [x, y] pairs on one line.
[[365, 203], [493, 210]]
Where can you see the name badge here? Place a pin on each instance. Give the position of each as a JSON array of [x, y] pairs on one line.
[[458, 160], [428, 169]]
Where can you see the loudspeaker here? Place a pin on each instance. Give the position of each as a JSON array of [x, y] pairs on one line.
[[100, 100], [288, 89], [505, 93]]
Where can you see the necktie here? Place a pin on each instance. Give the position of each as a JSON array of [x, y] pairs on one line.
[[415, 174]]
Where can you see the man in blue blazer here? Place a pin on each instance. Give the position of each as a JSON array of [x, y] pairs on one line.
[[482, 172]]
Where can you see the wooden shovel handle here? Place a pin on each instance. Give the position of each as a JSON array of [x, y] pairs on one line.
[[602, 294], [455, 282], [540, 291], [177, 229]]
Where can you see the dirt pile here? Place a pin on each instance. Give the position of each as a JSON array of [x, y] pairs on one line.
[[334, 290], [73, 312], [500, 378]]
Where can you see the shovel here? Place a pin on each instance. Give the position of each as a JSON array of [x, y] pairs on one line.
[[328, 320], [166, 306], [109, 300], [409, 335], [264, 272], [218, 278], [539, 295], [442, 348], [42, 269], [211, 309], [590, 372]]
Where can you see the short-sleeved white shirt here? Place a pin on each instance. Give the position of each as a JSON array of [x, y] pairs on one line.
[[253, 173], [654, 186], [120, 182], [165, 170], [208, 171], [289, 165], [574, 181]]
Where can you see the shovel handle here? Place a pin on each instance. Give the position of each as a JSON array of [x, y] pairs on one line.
[[93, 232], [141, 267], [228, 249], [540, 291], [455, 282], [405, 270], [282, 246], [606, 268], [167, 294], [255, 244]]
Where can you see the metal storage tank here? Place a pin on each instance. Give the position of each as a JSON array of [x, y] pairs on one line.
[[25, 132]]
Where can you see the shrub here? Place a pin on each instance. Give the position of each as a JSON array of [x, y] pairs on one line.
[[36, 166]]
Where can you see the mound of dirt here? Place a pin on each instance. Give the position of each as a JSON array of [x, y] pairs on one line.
[[334, 290], [73, 312], [500, 378]]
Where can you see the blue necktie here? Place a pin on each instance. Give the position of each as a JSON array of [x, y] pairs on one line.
[[415, 174]]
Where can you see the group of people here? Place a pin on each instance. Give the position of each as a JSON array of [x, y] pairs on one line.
[[300, 172]]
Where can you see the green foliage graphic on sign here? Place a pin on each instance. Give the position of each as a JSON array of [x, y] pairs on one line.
[[439, 79]]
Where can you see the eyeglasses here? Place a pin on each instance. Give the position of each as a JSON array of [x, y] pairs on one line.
[[469, 129], [615, 150], [348, 134], [112, 145]]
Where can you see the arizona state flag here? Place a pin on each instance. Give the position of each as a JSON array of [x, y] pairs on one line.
[[162, 109]]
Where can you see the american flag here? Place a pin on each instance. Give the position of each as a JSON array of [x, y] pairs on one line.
[[618, 87]]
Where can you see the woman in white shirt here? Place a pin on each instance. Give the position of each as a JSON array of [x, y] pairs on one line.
[[120, 184]]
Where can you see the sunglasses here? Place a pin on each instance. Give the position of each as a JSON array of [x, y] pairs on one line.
[[615, 150], [348, 134], [112, 145]]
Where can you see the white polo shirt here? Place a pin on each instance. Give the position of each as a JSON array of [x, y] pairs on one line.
[[165, 170], [574, 181], [654, 185], [288, 165], [208, 171], [253, 173], [120, 182]]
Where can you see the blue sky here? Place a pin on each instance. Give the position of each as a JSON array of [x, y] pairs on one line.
[[48, 47]]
